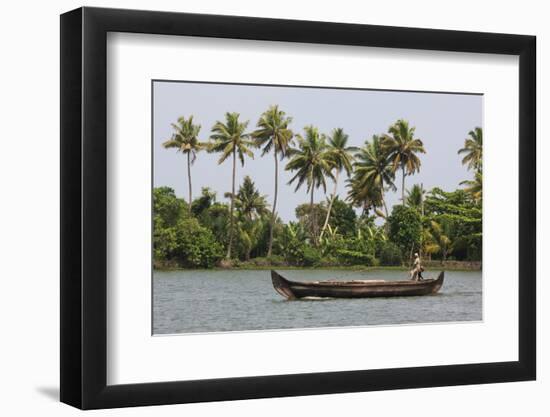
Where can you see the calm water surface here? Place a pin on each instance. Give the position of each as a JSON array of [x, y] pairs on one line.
[[220, 301]]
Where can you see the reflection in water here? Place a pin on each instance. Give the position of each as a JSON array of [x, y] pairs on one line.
[[218, 301]]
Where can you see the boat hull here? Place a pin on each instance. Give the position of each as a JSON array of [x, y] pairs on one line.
[[354, 289]]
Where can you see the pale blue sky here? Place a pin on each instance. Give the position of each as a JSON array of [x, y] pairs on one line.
[[442, 122]]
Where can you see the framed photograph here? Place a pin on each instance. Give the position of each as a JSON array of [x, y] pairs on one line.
[[258, 208]]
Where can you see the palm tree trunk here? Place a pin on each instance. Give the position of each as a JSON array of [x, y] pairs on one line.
[[422, 199], [189, 180], [330, 205], [383, 199], [403, 185], [232, 206], [313, 217], [273, 215], [386, 223], [421, 250]]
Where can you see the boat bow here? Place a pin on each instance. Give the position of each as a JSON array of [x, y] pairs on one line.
[[282, 286]]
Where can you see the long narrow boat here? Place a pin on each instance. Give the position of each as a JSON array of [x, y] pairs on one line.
[[293, 290]]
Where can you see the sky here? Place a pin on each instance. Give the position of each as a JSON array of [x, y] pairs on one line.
[[442, 122]]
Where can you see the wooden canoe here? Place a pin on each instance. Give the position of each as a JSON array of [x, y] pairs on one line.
[[293, 290]]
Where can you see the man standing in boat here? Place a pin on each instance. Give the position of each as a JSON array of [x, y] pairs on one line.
[[416, 273]]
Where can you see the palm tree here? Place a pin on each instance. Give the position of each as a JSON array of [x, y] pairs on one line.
[[341, 158], [473, 148], [185, 140], [251, 208], [230, 139], [416, 196], [249, 235], [365, 198], [204, 202], [372, 173], [249, 202], [402, 148], [312, 164], [273, 133], [438, 240], [475, 187]]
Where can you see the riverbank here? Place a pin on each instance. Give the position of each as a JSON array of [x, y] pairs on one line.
[[454, 265], [428, 265]]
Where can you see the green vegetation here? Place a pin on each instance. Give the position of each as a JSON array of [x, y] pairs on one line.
[[402, 148], [313, 163], [179, 239], [230, 139], [360, 231], [273, 134], [405, 228], [185, 140]]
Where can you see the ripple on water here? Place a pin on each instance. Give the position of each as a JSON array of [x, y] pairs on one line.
[[216, 301]]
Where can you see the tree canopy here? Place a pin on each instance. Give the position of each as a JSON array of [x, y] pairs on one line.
[[359, 229]]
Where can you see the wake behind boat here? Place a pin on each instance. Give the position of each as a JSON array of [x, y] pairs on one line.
[[293, 290]]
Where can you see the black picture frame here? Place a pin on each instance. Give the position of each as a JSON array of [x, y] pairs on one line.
[[84, 207]]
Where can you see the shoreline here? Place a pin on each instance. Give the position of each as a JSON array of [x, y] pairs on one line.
[[430, 266]]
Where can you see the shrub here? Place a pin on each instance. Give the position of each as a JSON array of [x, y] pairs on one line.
[[405, 228], [273, 260], [167, 207], [327, 261], [310, 256], [195, 245], [343, 217], [390, 254], [290, 243], [164, 241], [351, 257], [276, 260]]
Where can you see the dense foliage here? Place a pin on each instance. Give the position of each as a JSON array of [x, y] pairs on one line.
[[243, 229], [180, 239], [405, 228]]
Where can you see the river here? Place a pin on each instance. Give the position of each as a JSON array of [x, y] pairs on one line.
[[194, 301]]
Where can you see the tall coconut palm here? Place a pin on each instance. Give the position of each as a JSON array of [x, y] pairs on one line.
[[473, 150], [274, 134], [372, 173], [230, 138], [341, 158], [312, 164], [185, 140], [402, 149]]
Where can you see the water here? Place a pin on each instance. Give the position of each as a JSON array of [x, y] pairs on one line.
[[220, 301]]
